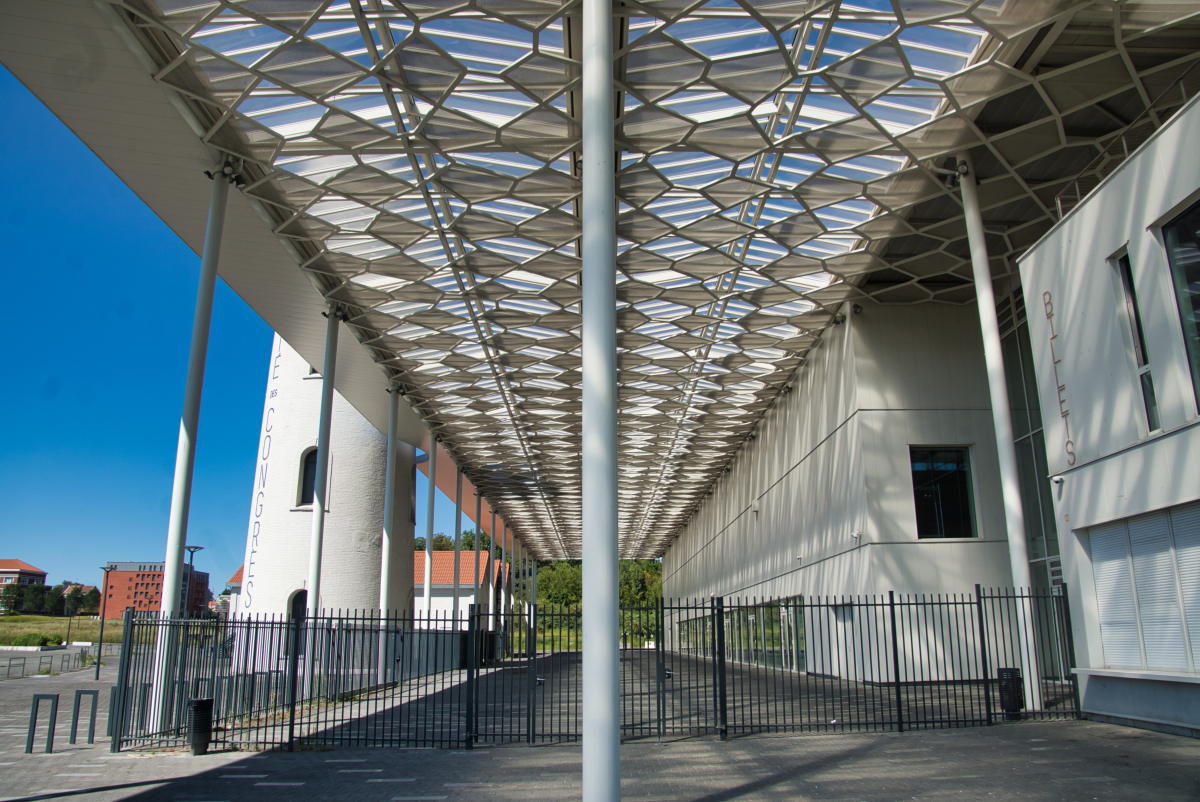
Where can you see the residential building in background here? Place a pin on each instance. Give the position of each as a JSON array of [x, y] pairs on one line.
[[139, 586], [21, 573]]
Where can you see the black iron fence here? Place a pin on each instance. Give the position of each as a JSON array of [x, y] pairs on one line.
[[713, 667]]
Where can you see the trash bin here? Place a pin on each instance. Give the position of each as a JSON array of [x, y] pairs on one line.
[[1012, 692], [199, 725]]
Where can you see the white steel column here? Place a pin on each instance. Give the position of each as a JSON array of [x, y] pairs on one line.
[[457, 538], [506, 567], [321, 485], [431, 500], [491, 574], [389, 511], [476, 574], [601, 669], [189, 420], [1006, 451]]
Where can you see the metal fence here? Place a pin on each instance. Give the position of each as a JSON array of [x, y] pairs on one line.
[[719, 667]]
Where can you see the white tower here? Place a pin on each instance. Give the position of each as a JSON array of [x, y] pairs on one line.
[[277, 543]]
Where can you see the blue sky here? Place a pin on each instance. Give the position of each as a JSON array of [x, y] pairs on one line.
[[94, 371]]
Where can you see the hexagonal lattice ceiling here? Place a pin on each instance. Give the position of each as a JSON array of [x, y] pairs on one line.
[[422, 158]]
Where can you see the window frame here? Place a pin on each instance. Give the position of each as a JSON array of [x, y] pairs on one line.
[[311, 451], [1133, 334]]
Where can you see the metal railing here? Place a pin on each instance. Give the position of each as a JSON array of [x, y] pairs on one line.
[[721, 667]]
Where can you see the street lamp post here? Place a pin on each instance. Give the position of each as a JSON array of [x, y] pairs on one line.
[[103, 609]]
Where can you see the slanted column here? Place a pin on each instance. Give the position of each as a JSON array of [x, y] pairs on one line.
[[457, 539], [1006, 450], [321, 485], [431, 500], [189, 420], [601, 631]]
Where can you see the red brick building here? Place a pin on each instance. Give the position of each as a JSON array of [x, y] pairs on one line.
[[139, 585]]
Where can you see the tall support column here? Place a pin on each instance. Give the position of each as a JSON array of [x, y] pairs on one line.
[[431, 500], [457, 539], [189, 420], [389, 512], [491, 575], [321, 485], [601, 669], [1006, 451], [506, 567], [476, 574]]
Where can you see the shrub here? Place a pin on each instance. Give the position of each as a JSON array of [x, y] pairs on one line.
[[30, 639]]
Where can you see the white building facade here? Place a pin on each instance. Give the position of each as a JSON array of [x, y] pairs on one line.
[[825, 500], [1113, 300], [275, 571]]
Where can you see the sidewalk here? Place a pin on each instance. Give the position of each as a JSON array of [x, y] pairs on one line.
[[1069, 761]]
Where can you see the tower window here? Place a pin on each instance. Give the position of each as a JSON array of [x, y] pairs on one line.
[[308, 476]]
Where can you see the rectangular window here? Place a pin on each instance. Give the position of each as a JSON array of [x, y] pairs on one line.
[[942, 487], [1147, 574], [1182, 238], [1141, 357]]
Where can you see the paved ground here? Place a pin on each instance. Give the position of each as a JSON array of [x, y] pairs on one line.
[[1029, 761]]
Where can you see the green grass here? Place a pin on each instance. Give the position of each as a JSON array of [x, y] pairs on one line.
[[83, 628]]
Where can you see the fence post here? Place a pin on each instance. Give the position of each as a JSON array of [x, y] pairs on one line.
[[472, 630], [721, 700], [531, 657], [1066, 613], [896, 662], [116, 718], [293, 677], [983, 657]]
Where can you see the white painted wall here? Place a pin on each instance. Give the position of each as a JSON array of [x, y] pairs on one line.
[[1096, 434], [832, 458], [277, 544]]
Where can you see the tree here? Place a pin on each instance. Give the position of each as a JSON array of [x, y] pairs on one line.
[[11, 597], [74, 597], [640, 582], [34, 599], [440, 543], [560, 582], [56, 602], [90, 603], [468, 540]]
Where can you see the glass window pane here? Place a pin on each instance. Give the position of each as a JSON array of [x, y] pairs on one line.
[[1035, 409], [1030, 500], [308, 481], [1049, 522], [1016, 385], [942, 487], [1183, 251]]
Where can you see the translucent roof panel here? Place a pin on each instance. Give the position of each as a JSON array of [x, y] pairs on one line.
[[422, 158]]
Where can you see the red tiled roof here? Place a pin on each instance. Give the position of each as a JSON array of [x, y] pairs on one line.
[[18, 565], [443, 568], [84, 589], [236, 579]]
